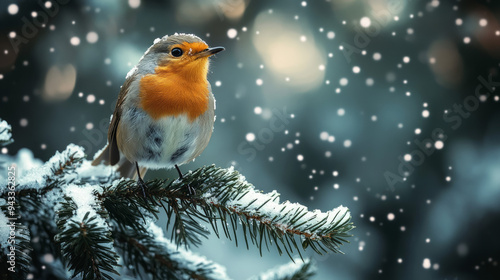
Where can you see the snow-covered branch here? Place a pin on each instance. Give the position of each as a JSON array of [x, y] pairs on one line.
[[226, 195], [103, 225]]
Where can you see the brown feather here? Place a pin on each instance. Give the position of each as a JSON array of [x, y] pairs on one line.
[[111, 154], [114, 152], [102, 158], [207, 126]]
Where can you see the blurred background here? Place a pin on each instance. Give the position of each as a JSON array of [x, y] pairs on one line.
[[388, 107]]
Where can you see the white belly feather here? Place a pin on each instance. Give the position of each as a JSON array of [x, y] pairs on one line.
[[157, 143]]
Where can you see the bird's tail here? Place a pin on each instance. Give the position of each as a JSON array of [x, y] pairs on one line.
[[124, 166]]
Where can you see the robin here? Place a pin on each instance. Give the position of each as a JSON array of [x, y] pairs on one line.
[[164, 115]]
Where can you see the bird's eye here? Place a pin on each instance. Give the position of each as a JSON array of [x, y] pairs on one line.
[[176, 52]]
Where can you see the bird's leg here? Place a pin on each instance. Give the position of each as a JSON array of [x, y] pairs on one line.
[[191, 190], [140, 182]]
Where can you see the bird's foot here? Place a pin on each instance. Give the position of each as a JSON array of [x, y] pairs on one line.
[[143, 185], [191, 190]]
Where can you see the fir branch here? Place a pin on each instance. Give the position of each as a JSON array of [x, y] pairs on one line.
[[224, 199], [38, 215], [86, 243], [263, 217], [127, 197], [15, 247], [97, 213], [153, 254], [186, 230], [62, 166]]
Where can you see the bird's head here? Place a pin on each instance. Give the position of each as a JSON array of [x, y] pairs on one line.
[[183, 54], [173, 76]]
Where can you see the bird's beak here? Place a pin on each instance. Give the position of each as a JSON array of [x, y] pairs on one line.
[[209, 51]]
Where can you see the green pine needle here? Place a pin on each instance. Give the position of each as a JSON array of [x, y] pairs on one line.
[[113, 219]]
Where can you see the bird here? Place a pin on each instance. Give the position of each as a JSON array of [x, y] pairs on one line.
[[165, 112]]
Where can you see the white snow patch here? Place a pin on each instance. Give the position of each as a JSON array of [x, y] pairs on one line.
[[36, 176], [84, 198], [32, 172], [87, 170], [24, 161]]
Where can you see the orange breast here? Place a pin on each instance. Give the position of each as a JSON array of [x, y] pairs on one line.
[[175, 90]]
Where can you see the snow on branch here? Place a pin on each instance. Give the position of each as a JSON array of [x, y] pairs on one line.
[[97, 225], [226, 194], [85, 237]]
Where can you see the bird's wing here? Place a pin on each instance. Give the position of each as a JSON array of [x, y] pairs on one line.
[[206, 121], [114, 153]]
